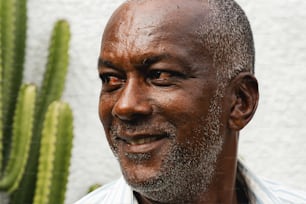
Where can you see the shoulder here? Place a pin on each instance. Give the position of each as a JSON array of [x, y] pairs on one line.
[[114, 192], [285, 194], [265, 191]]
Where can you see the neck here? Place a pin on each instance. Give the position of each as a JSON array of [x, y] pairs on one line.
[[222, 190]]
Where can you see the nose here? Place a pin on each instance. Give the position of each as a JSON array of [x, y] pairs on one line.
[[133, 102]]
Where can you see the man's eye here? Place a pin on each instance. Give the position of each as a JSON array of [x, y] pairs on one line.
[[164, 78], [111, 79], [160, 75]]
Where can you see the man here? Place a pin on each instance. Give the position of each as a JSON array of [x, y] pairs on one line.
[[177, 87]]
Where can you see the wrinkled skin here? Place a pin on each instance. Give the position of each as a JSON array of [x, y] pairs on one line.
[[161, 106]]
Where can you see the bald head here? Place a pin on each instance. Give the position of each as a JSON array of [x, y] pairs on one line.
[[217, 30]]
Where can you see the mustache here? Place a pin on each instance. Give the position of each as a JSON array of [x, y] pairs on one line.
[[143, 128]]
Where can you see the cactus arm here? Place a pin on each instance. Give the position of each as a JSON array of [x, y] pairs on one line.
[[7, 46], [22, 133], [7, 43], [20, 42], [47, 149], [62, 155], [13, 33], [19, 37], [55, 153], [57, 65], [1, 84], [52, 87]]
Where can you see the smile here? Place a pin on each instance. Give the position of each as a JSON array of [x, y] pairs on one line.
[[142, 143], [141, 140]]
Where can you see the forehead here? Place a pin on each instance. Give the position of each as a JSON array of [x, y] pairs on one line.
[[149, 14], [139, 25]]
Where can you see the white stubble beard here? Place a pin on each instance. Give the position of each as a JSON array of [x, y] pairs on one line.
[[186, 172]]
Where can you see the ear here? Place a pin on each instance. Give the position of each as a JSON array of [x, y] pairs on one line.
[[244, 100]]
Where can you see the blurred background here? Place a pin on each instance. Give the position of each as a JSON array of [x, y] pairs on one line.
[[273, 145]]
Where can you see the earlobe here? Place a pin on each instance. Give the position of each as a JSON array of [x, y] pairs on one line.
[[244, 101]]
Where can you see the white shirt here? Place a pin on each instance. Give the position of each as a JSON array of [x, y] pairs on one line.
[[261, 192]]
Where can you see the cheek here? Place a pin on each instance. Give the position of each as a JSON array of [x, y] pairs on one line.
[[183, 107], [187, 111], [105, 111], [105, 114]]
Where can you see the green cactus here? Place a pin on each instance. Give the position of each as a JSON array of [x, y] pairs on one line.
[[13, 32], [7, 44], [22, 134], [1, 91], [93, 187], [22, 119], [51, 90], [54, 154]]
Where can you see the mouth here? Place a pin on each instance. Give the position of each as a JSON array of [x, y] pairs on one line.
[[144, 143], [141, 140]]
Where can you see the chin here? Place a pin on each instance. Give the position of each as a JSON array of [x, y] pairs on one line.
[[152, 187], [143, 178]]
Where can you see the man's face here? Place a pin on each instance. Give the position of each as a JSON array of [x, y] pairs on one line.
[[159, 104]]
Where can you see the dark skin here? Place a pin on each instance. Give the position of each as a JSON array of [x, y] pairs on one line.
[[158, 85]]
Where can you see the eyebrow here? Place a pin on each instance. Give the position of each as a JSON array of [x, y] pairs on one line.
[[106, 63], [144, 62], [148, 61]]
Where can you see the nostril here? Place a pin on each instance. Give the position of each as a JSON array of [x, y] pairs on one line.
[[128, 108], [130, 112]]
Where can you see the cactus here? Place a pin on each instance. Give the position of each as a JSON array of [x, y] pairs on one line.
[[51, 90], [13, 32], [7, 54], [22, 133], [93, 187], [54, 154], [22, 114], [1, 90]]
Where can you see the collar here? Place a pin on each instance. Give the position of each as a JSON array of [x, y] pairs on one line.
[[257, 190]]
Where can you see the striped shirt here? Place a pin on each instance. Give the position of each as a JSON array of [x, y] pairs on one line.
[[259, 190]]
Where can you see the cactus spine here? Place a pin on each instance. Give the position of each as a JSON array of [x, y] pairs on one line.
[[21, 121]]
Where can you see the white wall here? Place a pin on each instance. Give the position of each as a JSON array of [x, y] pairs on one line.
[[273, 145]]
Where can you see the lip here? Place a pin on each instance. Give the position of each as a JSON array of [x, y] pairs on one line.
[[142, 143]]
